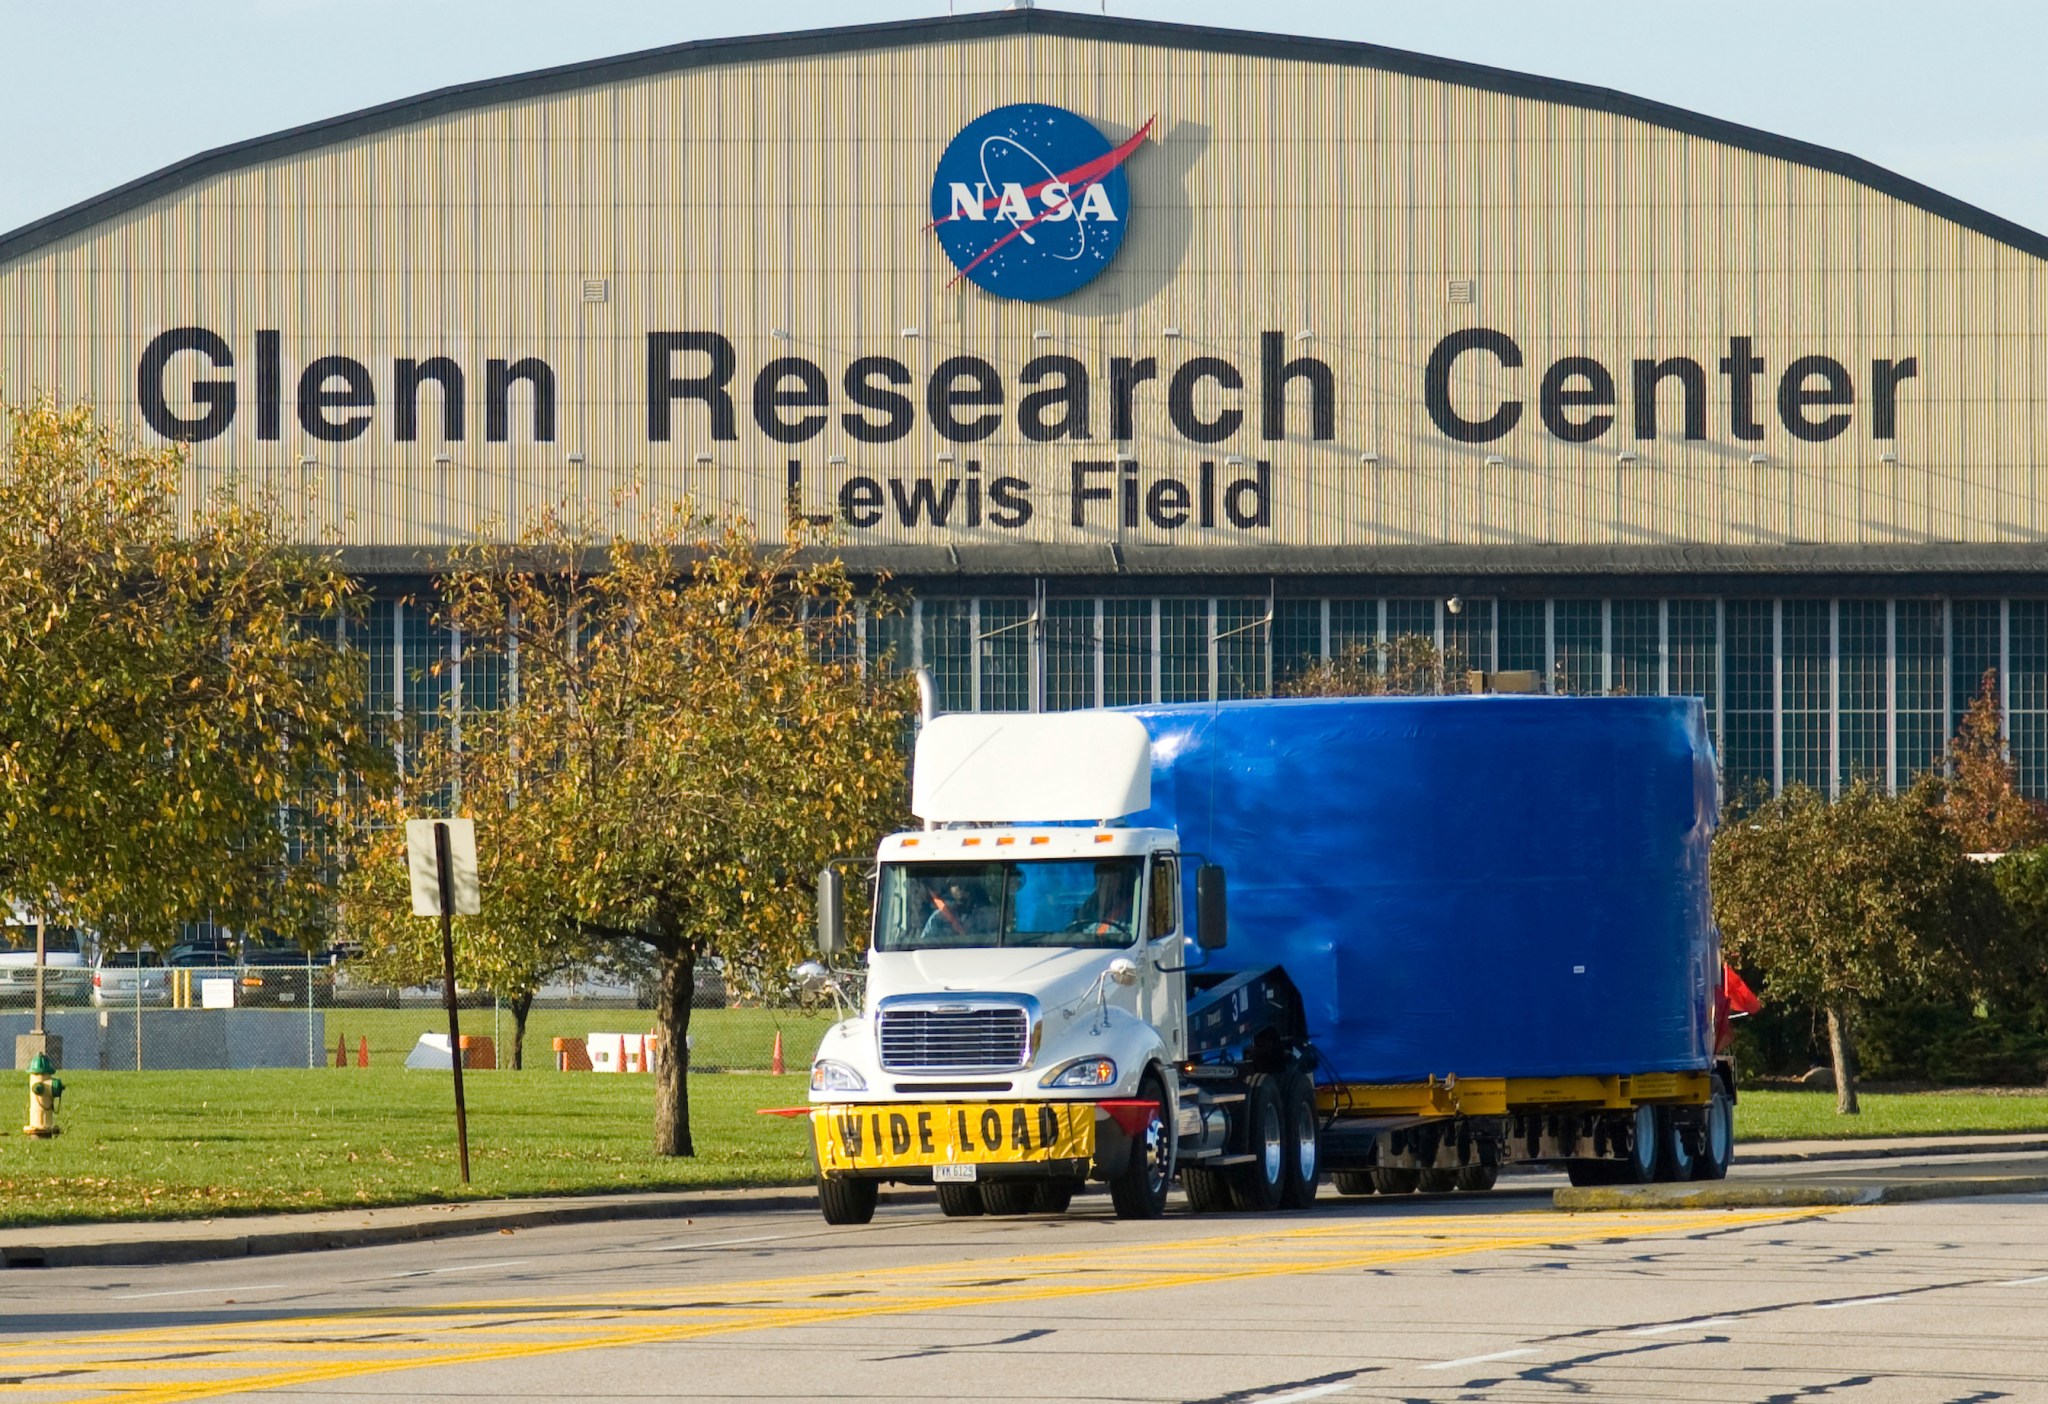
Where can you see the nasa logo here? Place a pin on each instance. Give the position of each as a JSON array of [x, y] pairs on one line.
[[1030, 201]]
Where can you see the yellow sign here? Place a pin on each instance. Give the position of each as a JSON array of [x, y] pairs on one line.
[[908, 1135]]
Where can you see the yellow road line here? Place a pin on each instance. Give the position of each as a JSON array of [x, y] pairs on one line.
[[263, 1355]]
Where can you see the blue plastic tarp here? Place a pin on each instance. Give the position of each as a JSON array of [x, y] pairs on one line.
[[1480, 886]]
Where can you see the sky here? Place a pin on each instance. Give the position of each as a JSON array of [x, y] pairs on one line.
[[98, 92]]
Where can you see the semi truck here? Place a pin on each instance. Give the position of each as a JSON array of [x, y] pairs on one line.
[[1391, 944]]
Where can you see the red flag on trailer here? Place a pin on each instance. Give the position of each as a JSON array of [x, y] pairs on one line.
[[1741, 998]]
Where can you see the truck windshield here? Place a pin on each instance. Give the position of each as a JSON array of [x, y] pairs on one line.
[[1048, 902]]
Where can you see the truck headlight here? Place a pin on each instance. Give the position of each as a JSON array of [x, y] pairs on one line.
[[830, 1076], [1082, 1072]]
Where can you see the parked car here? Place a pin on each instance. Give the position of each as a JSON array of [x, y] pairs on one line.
[[66, 980], [190, 963], [127, 979], [283, 975]]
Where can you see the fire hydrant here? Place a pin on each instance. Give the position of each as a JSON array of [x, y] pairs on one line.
[[45, 1088]]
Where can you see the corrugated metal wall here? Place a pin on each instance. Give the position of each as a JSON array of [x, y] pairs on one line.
[[1285, 196]]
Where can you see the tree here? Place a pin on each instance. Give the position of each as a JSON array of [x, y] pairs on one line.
[[177, 708], [1982, 804], [1405, 665], [1842, 904], [690, 738]]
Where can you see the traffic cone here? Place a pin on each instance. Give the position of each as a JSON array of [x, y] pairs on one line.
[[363, 1053], [775, 1059], [341, 1050]]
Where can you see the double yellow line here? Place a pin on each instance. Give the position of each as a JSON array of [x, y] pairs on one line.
[[129, 1367]]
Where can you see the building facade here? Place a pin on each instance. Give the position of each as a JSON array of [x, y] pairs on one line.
[[1154, 361]]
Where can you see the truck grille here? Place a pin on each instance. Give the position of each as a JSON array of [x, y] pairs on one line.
[[955, 1040]]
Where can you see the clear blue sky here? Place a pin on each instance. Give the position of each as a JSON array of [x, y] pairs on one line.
[[97, 92]]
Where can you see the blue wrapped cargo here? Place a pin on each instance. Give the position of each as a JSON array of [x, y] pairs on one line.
[[1489, 886]]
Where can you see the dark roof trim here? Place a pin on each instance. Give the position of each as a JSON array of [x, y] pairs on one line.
[[901, 34]]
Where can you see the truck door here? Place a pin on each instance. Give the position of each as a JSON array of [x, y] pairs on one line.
[[1165, 989]]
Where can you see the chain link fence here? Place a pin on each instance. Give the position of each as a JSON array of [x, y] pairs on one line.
[[129, 1014]]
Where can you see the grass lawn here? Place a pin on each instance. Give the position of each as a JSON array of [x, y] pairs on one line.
[[191, 1144], [1780, 1116]]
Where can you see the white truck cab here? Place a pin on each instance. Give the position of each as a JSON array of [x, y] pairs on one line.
[[1025, 1025]]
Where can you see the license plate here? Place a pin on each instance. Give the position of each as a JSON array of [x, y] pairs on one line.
[[968, 1172], [951, 1134]]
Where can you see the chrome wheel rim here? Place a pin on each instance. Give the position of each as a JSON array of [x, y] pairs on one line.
[[1271, 1156], [1305, 1149], [1155, 1153]]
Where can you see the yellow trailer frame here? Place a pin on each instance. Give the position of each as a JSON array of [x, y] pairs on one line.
[[1503, 1096]]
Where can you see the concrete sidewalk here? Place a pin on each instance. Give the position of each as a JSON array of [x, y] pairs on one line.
[[1815, 1172]]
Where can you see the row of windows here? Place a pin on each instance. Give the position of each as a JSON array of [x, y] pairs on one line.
[[1816, 691]]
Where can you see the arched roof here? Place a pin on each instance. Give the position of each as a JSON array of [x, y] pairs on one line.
[[708, 53]]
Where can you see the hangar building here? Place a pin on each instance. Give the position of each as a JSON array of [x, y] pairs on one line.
[[1155, 360]]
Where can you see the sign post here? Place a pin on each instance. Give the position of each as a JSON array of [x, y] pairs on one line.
[[441, 857]]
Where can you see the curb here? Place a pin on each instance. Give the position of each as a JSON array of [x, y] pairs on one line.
[[260, 1242], [1890, 1152], [1786, 1195]]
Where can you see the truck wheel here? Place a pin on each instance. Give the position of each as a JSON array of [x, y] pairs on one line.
[[1052, 1196], [1639, 1167], [1477, 1179], [843, 1199], [1395, 1179], [1674, 1147], [1437, 1181], [1353, 1182], [1140, 1191], [1007, 1196], [1208, 1190], [1716, 1137], [959, 1201], [1256, 1187], [1304, 1140]]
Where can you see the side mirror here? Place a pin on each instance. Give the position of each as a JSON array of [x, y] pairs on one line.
[[1212, 908], [831, 913]]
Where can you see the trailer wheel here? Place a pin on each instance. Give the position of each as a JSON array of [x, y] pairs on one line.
[[1353, 1182], [1395, 1179], [1052, 1196], [1477, 1179], [1640, 1165], [1436, 1181], [1007, 1196], [959, 1201], [1717, 1137], [1674, 1147], [1257, 1186], [843, 1199], [1304, 1140], [1208, 1190], [1140, 1191]]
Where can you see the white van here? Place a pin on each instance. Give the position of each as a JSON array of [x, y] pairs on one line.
[[66, 978]]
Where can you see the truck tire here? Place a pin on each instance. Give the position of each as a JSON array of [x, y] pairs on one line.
[[843, 1199], [1437, 1181], [1639, 1166], [1674, 1147], [1140, 1191], [1304, 1140], [1477, 1179], [1353, 1182], [959, 1201], [1716, 1137], [1052, 1196], [1257, 1186], [1208, 1190], [1008, 1196], [1395, 1179]]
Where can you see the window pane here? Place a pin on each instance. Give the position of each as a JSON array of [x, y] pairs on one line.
[[1468, 642], [1747, 756], [1921, 728], [1004, 650], [1975, 652], [1183, 650], [1577, 627], [2028, 692], [1297, 637], [1861, 688], [889, 641], [1069, 654], [1126, 652], [1521, 637], [1805, 684], [948, 651], [426, 665], [1353, 624], [1636, 664], [1240, 649], [1692, 628], [1406, 617]]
